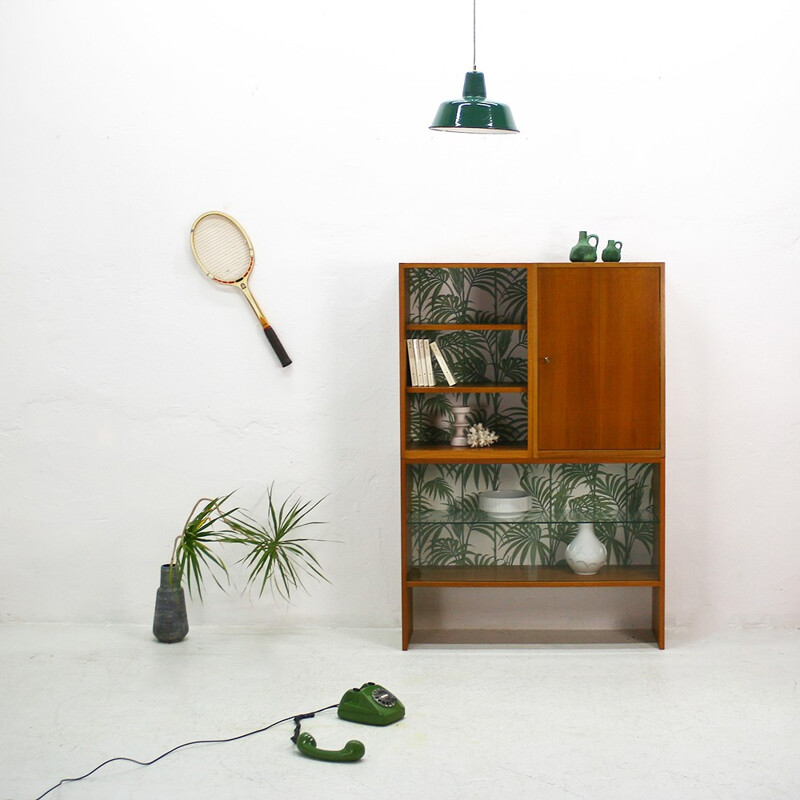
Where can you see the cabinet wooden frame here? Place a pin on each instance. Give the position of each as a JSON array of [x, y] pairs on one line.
[[640, 288]]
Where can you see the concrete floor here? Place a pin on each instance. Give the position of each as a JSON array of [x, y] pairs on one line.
[[709, 717]]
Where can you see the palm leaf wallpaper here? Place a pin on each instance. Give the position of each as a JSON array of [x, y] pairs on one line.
[[467, 295], [431, 417], [478, 358], [447, 528], [480, 295]]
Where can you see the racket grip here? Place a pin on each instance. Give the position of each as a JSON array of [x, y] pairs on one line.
[[277, 346]]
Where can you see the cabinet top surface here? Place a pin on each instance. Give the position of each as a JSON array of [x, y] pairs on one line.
[[526, 264]]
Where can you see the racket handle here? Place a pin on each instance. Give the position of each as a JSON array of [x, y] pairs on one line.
[[277, 346]]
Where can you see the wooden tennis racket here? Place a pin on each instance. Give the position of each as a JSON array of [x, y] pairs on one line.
[[223, 251]]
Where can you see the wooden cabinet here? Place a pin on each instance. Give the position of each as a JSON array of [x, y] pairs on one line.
[[566, 363]]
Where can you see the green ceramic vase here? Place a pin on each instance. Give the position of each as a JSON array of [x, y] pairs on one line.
[[613, 251], [584, 250]]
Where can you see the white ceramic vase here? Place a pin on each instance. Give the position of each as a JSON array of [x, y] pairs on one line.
[[460, 426], [586, 554]]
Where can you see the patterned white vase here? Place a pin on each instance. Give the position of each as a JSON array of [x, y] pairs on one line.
[[586, 554]]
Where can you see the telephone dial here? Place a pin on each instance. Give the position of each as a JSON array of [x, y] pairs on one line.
[[370, 704]]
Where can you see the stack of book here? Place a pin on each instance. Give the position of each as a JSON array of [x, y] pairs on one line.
[[420, 363]]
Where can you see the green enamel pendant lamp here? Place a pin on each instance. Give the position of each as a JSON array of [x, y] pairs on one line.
[[474, 113]]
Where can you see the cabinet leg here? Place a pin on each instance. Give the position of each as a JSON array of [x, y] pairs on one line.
[[658, 615], [408, 616]]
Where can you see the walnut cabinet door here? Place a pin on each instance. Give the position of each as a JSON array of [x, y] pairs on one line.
[[599, 370]]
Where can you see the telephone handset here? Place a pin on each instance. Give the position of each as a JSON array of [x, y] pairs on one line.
[[370, 704], [307, 745]]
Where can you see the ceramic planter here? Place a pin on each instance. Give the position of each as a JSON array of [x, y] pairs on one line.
[[170, 623]]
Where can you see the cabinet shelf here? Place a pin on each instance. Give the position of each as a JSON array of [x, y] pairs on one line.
[[507, 453], [517, 576], [467, 517], [466, 326], [469, 388]]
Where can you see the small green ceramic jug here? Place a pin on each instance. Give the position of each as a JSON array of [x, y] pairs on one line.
[[584, 250], [613, 251]]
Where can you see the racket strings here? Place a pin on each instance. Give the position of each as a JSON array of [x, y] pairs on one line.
[[222, 249]]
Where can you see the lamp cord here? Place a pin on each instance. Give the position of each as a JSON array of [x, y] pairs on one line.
[[474, 49]]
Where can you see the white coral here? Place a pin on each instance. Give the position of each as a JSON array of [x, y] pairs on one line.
[[478, 436]]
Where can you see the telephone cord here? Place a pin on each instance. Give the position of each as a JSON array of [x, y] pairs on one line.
[[294, 718]]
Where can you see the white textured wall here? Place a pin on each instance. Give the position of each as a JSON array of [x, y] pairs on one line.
[[132, 385]]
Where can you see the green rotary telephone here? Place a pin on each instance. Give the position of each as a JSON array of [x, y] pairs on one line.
[[370, 704]]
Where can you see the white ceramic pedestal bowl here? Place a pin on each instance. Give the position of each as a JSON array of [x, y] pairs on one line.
[[504, 503]]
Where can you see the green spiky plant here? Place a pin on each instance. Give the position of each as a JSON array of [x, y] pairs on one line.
[[192, 552], [276, 556]]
